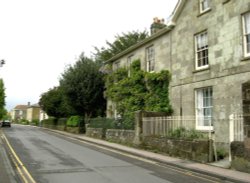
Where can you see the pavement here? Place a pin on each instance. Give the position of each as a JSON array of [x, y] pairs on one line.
[[215, 170]]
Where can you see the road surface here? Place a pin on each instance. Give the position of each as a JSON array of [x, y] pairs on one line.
[[54, 158]]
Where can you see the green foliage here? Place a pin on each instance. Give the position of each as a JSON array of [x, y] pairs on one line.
[[62, 122], [35, 122], [140, 91], [83, 87], [221, 153], [49, 121], [121, 43], [24, 122], [182, 133], [54, 104], [110, 123], [100, 122], [157, 97], [2, 100], [74, 121]]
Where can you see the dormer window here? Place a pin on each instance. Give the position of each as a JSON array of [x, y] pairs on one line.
[[150, 58], [204, 5]]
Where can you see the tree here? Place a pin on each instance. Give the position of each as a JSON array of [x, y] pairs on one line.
[[83, 87], [2, 99], [121, 43], [54, 104]]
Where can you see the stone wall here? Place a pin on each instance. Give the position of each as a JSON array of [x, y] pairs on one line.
[[72, 129], [196, 150], [95, 133], [240, 157], [120, 136]]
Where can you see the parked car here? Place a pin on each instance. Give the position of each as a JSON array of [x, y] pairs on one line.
[[6, 123]]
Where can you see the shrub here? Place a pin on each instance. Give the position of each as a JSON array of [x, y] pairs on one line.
[[105, 123], [50, 121], [73, 121], [182, 133], [24, 122], [35, 122], [62, 122]]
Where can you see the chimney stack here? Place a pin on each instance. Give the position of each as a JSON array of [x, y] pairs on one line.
[[157, 25]]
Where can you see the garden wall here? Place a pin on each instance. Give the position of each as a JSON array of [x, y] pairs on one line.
[[120, 136], [95, 133], [197, 150], [240, 157]]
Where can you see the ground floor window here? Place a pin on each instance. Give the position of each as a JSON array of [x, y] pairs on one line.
[[204, 108]]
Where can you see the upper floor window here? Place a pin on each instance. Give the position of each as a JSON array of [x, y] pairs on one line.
[[246, 33], [204, 108], [129, 62], [201, 48], [116, 65], [150, 58], [204, 5]]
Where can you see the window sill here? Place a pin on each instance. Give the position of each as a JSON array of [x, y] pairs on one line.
[[247, 58], [204, 12], [200, 70]]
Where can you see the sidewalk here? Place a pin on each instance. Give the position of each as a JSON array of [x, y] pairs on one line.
[[218, 172]]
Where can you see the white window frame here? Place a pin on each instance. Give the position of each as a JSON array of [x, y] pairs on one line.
[[204, 108], [201, 48], [204, 5], [150, 58], [246, 33]]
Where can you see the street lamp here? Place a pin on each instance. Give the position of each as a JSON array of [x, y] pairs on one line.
[[2, 62]]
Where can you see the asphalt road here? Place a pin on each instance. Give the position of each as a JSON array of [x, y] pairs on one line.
[[54, 158]]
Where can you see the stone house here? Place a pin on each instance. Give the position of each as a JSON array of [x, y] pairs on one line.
[[33, 112], [19, 112], [206, 48]]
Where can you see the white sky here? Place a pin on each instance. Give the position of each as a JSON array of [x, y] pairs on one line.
[[38, 38]]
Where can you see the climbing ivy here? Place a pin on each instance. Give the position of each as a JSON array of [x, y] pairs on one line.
[[139, 91]]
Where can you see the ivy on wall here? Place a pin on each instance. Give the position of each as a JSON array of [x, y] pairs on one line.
[[139, 91]]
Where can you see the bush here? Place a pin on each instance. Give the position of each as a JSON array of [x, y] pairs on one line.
[[74, 121], [62, 122], [109, 123], [182, 133], [50, 121], [105, 123], [35, 122], [24, 122]]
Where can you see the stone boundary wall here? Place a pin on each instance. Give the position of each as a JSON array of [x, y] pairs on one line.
[[240, 157], [196, 150], [95, 133], [120, 136]]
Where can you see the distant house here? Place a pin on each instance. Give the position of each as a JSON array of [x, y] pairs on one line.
[[33, 112], [43, 115], [19, 112]]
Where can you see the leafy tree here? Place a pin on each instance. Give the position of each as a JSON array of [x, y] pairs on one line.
[[83, 87], [54, 103], [121, 43], [2, 99]]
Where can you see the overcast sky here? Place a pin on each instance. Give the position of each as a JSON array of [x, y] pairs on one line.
[[39, 38]]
